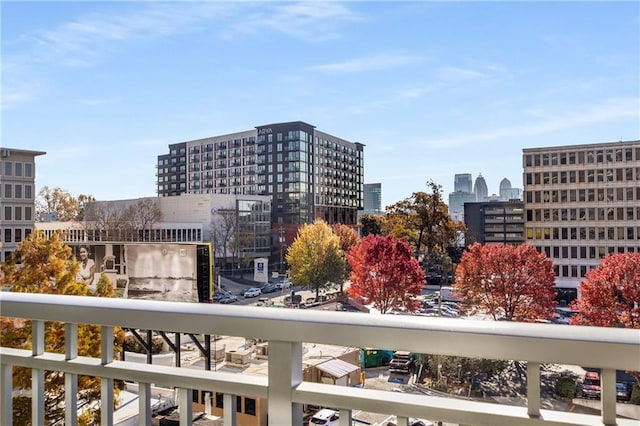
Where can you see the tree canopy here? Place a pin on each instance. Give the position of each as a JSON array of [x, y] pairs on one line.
[[385, 272], [348, 238], [116, 223], [514, 282], [423, 219], [62, 203], [315, 258], [371, 224], [610, 293], [46, 267]]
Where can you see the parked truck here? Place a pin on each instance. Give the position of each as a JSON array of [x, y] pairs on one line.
[[402, 362]]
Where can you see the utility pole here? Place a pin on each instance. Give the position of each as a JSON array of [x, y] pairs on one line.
[[281, 239]]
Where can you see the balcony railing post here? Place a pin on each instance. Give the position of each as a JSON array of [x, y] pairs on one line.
[[70, 379], [106, 384], [37, 375], [185, 402], [402, 421], [608, 396], [6, 388], [346, 418], [285, 372], [144, 404], [229, 403], [533, 389]]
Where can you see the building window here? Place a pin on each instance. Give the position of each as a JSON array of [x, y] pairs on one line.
[[7, 213], [7, 235], [18, 235], [18, 213], [250, 406], [27, 214], [7, 191], [8, 168], [18, 191]]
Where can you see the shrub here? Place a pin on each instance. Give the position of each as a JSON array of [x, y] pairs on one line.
[[132, 345], [565, 387], [635, 394]]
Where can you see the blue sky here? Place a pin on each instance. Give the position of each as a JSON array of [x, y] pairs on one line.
[[431, 88]]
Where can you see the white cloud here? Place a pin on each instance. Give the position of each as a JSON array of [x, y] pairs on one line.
[[96, 102], [378, 62], [308, 20], [608, 110], [79, 41], [12, 96]]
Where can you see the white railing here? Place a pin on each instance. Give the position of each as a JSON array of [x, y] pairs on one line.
[[607, 349]]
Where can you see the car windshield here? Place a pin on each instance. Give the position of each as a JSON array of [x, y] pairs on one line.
[[317, 421]]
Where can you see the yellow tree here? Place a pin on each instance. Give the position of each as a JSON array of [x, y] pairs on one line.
[[62, 203], [315, 258], [45, 267]]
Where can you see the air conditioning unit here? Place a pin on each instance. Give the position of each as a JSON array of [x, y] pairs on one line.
[[4, 153]]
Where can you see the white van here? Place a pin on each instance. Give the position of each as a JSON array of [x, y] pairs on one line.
[[325, 417]]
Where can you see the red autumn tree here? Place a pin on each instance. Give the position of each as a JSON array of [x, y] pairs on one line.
[[384, 271], [610, 295], [514, 282]]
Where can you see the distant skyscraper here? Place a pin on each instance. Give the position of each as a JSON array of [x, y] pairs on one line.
[[462, 182], [480, 189], [373, 198], [462, 194], [507, 192]]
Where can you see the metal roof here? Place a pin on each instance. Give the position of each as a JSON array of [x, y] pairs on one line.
[[337, 367]]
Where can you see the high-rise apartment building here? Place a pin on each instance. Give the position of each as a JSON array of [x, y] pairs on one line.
[[17, 197], [582, 203], [373, 198], [310, 174]]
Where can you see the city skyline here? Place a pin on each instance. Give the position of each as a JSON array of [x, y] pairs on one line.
[[104, 88]]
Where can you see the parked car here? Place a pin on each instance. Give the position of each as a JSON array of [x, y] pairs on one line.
[[267, 288], [591, 385], [229, 298], [283, 283], [218, 296], [252, 292], [623, 391], [325, 417]]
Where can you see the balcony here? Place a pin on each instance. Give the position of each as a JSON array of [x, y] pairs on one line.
[[608, 349]]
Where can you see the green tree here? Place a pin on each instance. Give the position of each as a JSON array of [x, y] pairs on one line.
[[516, 282], [315, 258], [385, 273], [371, 224], [348, 238], [423, 219], [46, 268]]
